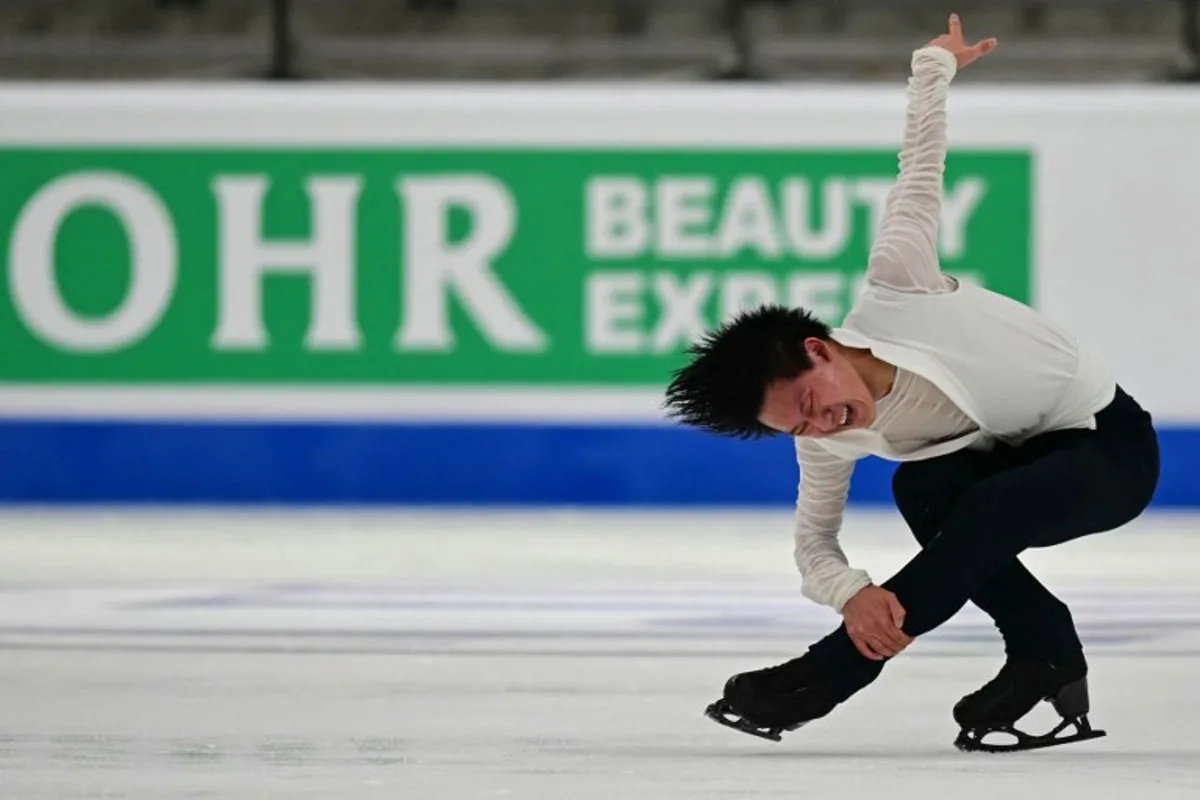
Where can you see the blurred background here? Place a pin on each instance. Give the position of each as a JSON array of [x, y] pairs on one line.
[[333, 337], [681, 40]]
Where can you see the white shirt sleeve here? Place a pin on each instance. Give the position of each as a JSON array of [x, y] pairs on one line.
[[826, 576], [904, 254]]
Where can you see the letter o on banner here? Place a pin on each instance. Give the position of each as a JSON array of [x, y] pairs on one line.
[[154, 267]]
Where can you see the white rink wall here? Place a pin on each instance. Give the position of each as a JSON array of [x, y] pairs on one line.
[[202, 380]]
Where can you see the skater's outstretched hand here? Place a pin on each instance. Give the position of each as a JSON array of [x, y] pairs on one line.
[[963, 52], [874, 620]]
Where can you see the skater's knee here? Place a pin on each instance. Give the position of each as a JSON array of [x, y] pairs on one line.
[[907, 482], [920, 497]]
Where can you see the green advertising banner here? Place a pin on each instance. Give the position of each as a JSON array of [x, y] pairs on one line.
[[437, 267]]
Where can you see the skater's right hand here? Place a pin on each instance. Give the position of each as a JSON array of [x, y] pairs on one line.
[[873, 619], [964, 53]]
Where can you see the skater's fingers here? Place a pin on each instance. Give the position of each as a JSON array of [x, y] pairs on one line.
[[898, 612], [881, 648], [984, 47], [881, 637], [894, 639], [870, 622], [883, 626], [863, 647]]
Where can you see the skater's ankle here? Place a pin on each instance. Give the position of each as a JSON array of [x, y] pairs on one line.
[[843, 669], [1071, 663]]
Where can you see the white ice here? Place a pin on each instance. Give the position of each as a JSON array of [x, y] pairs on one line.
[[349, 655]]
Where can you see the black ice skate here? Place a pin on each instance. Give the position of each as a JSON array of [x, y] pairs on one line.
[[769, 701], [1012, 694]]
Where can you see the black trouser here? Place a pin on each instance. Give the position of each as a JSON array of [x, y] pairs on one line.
[[973, 512]]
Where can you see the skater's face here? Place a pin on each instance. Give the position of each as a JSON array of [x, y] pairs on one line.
[[829, 398]]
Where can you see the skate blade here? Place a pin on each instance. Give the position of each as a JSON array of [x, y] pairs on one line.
[[722, 713], [971, 741]]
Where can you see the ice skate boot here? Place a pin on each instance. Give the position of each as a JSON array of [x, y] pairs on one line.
[[1013, 693], [768, 701]]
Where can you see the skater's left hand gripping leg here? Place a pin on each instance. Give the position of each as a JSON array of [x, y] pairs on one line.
[[874, 619]]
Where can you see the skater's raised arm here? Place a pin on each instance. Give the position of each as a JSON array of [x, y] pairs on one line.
[[904, 254], [826, 575]]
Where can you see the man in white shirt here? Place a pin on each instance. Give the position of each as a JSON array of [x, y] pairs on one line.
[[1010, 435]]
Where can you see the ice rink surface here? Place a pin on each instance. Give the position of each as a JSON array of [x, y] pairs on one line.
[[559, 655]]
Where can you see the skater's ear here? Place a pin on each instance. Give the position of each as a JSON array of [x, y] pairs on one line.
[[818, 350]]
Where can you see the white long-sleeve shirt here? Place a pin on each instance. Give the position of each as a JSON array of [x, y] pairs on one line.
[[916, 418]]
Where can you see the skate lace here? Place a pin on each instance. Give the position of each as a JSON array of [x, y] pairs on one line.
[[787, 677], [1008, 676]]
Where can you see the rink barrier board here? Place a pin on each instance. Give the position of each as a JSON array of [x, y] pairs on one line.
[[453, 464], [1101, 241], [1060, 223]]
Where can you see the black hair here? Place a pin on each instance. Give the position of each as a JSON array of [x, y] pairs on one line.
[[721, 389]]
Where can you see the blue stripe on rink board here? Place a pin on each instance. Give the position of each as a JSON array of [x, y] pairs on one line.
[[609, 465]]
